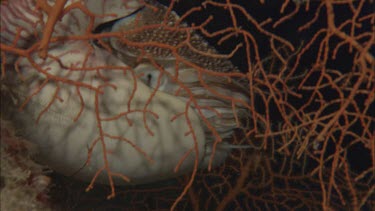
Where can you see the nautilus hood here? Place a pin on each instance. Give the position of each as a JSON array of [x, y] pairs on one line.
[[152, 31]]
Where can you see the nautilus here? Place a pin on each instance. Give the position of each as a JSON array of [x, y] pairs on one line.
[[140, 104], [166, 73]]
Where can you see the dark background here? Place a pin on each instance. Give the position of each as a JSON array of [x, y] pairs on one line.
[[358, 156]]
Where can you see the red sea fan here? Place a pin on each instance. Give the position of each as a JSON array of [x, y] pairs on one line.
[[307, 114]]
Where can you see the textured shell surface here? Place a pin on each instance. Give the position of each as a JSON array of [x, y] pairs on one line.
[[141, 154]]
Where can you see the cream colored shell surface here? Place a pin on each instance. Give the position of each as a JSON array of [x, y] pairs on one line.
[[65, 143]]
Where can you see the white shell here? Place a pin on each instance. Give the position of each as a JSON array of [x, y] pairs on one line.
[[64, 143]]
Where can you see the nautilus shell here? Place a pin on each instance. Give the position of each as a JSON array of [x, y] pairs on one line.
[[88, 118]]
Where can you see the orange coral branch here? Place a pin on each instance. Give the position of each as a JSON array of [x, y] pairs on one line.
[[54, 14]]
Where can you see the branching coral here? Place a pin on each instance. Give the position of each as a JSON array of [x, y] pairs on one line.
[[311, 102]]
